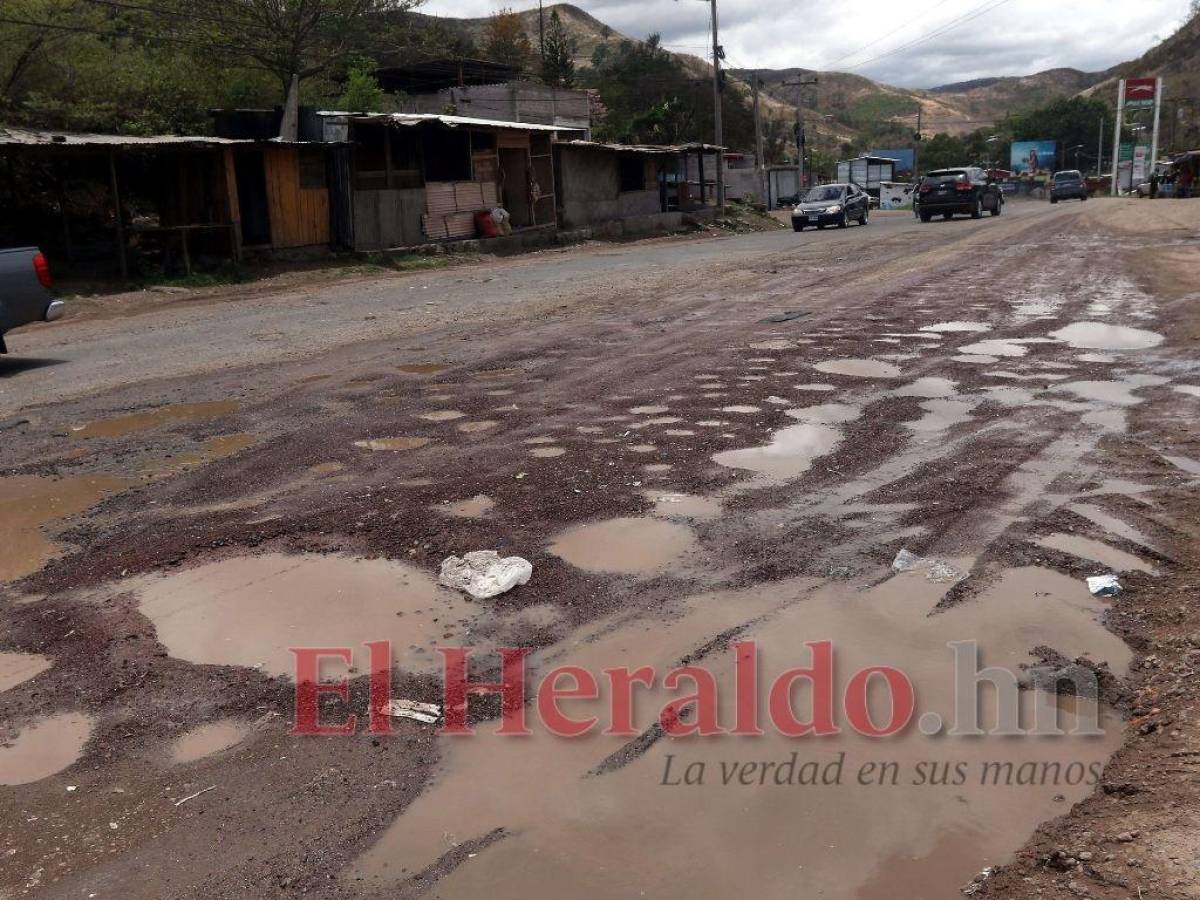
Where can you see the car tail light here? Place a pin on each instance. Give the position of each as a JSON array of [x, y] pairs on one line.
[[42, 268], [925, 188], [962, 186]]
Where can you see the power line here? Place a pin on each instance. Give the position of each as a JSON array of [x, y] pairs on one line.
[[950, 26], [858, 50]]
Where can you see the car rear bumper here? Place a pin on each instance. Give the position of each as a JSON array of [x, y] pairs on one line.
[[1068, 195], [938, 206]]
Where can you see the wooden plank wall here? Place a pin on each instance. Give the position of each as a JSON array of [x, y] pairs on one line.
[[299, 216]]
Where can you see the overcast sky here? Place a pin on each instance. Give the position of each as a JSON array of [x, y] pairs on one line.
[[1010, 37]]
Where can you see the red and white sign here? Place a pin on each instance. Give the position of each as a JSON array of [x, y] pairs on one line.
[[1140, 91]]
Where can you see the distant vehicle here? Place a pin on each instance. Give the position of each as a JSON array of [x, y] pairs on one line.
[[25, 290], [966, 190], [1068, 185], [832, 204]]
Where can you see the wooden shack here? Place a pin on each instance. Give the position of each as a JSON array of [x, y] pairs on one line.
[[414, 178], [155, 205]]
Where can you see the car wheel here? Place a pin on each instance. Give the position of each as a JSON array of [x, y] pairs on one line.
[[1084, 198], [1053, 199], [999, 207], [862, 220], [845, 220], [796, 226], [977, 211], [925, 217]]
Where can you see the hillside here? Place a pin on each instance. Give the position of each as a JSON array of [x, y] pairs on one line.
[[588, 31], [845, 106], [1177, 61]]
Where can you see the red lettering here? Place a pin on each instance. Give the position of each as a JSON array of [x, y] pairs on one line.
[[820, 676], [704, 701], [745, 688], [621, 682], [511, 688], [309, 688], [549, 693], [381, 687]]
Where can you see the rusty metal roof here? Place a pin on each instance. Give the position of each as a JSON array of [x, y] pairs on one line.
[[23, 137], [657, 149], [448, 121]]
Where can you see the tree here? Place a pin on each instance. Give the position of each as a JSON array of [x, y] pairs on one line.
[[558, 63], [505, 40], [289, 37], [362, 92]]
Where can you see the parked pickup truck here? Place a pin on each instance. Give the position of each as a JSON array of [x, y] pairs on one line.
[[25, 290]]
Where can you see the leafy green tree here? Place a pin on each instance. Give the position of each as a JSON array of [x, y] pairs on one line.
[[558, 63], [362, 91]]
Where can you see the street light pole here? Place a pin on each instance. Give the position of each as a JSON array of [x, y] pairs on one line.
[[718, 134]]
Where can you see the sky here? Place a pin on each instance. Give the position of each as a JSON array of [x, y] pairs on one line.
[[923, 44]]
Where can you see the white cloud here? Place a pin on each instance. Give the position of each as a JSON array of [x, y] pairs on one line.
[[1019, 37]]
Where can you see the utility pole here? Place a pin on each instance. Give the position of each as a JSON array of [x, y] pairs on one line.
[[759, 163], [1158, 98], [917, 142], [1117, 138], [1100, 150], [800, 84], [718, 134]]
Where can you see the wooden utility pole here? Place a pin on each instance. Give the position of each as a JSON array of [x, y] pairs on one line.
[[542, 33], [718, 133], [759, 163], [800, 84]]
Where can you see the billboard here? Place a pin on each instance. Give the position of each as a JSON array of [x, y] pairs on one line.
[[904, 159], [1139, 92], [1033, 157]]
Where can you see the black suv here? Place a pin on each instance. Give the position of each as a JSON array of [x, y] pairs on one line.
[[1068, 185], [949, 191]]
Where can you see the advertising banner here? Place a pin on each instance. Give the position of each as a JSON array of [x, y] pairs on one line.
[[1033, 157]]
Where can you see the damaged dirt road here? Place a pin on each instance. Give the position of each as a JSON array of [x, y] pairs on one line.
[[695, 442]]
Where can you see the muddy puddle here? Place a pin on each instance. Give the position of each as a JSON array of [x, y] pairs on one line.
[[1101, 336], [422, 368], [626, 546], [802, 816], [247, 611], [208, 740], [789, 455], [29, 504], [1111, 523], [117, 426], [958, 327], [17, 668], [672, 505], [442, 415], [394, 443], [43, 747], [858, 368], [1095, 551], [930, 388], [472, 508]]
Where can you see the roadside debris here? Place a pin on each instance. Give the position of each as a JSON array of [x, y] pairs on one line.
[[976, 883], [936, 570], [1104, 585], [483, 574], [412, 709], [195, 795]]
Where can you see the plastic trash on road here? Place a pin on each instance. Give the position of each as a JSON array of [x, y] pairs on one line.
[[483, 574], [412, 709], [1104, 585]]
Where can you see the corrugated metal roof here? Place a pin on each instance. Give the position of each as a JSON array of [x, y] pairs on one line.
[[449, 121], [622, 148], [28, 138]]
